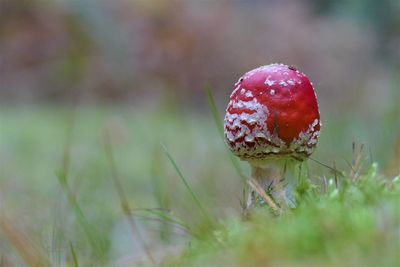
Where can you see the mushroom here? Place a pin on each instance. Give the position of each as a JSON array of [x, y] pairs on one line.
[[272, 121]]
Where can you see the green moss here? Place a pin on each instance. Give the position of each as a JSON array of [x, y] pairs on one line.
[[355, 225]]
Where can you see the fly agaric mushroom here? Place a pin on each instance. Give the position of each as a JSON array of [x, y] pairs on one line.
[[272, 121]]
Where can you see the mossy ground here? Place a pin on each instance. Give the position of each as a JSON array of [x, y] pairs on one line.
[[354, 223]]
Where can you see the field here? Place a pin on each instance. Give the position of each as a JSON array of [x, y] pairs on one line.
[[91, 186]]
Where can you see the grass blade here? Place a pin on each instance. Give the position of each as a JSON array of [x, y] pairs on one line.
[[214, 110], [160, 196], [185, 182], [267, 199], [74, 258], [96, 242], [124, 199], [31, 255], [220, 127], [163, 215]]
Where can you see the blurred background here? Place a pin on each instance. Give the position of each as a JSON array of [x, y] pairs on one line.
[[73, 70]]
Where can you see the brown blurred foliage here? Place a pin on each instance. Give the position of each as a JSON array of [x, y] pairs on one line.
[[130, 50]]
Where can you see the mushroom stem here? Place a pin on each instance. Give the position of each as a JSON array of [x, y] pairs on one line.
[[277, 179]]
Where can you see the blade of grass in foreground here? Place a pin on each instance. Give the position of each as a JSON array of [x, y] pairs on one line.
[[163, 215], [31, 255], [74, 257], [160, 196], [185, 182], [95, 240], [124, 199], [220, 127], [214, 110]]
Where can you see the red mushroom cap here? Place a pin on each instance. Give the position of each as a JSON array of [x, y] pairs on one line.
[[272, 112]]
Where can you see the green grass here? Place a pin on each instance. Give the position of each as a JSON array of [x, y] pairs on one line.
[[356, 224], [71, 200]]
